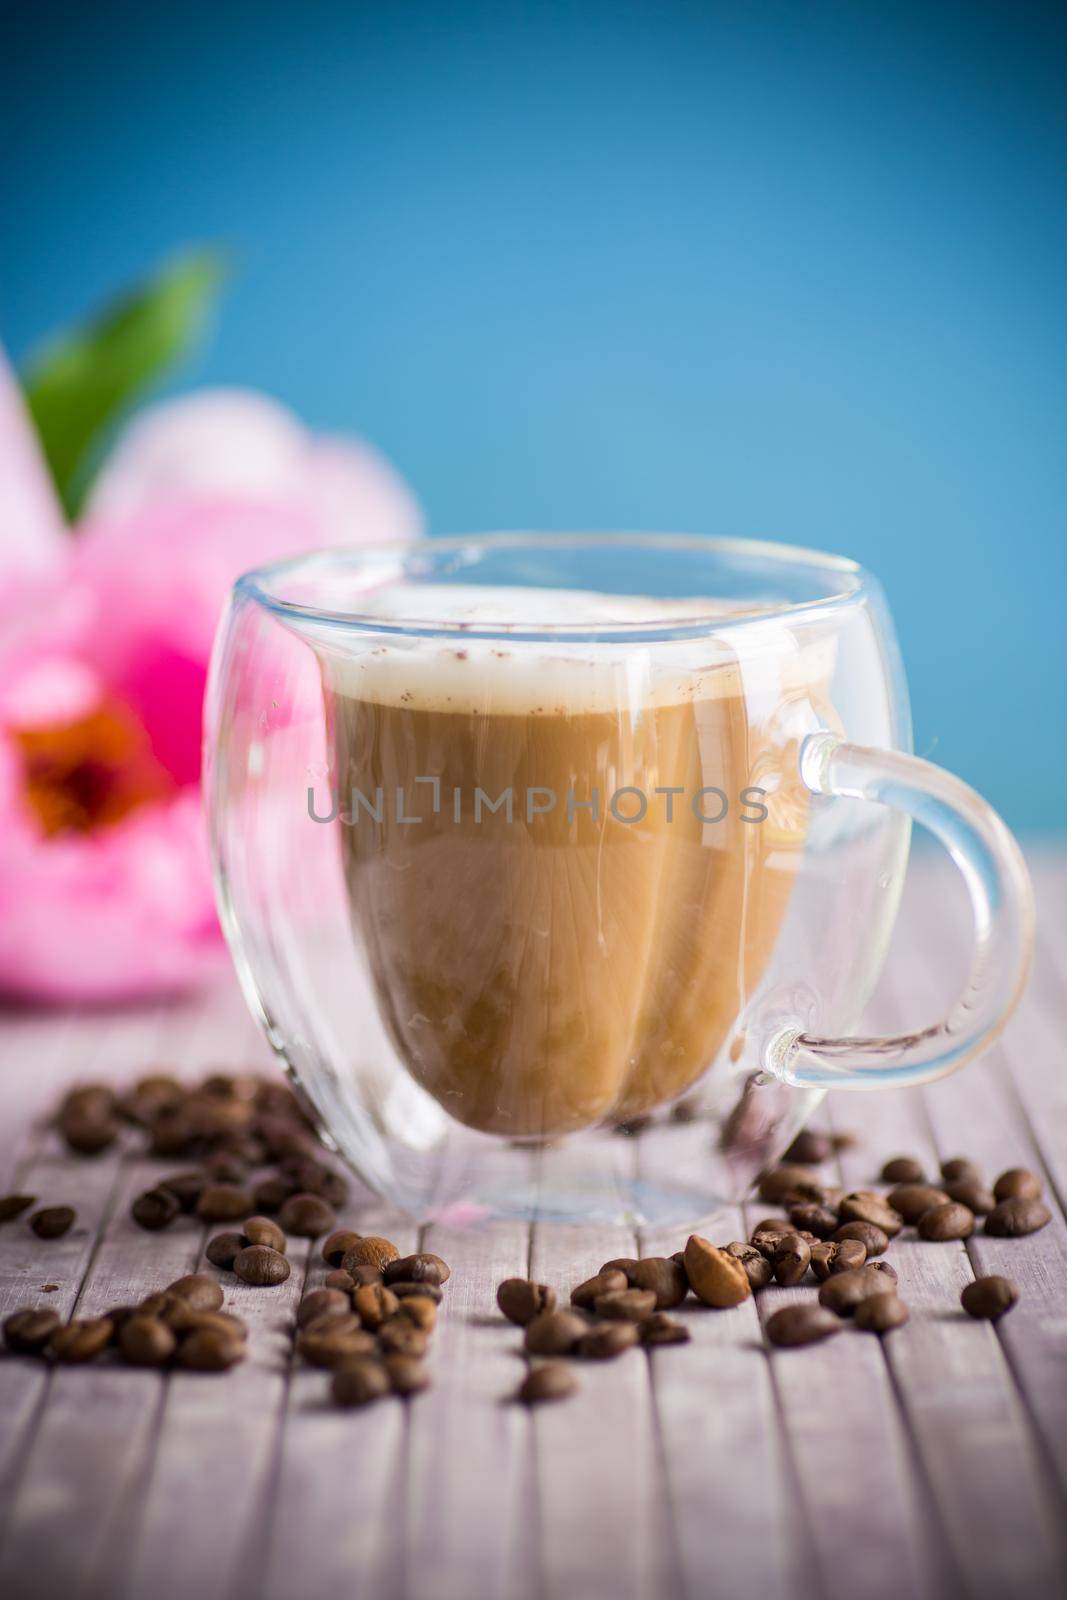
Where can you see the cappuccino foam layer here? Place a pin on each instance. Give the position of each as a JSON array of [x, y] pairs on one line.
[[764, 659]]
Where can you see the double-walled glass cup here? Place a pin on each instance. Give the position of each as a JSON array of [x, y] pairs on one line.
[[523, 839]]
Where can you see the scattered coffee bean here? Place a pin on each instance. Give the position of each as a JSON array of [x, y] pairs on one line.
[[586, 1294], [261, 1230], [791, 1259], [373, 1303], [715, 1277], [903, 1169], [554, 1333], [334, 1341], [339, 1279], [862, 1205], [1011, 1219], [838, 1255], [758, 1269], [802, 1324], [946, 1222], [884, 1267], [552, 1381], [369, 1252], [258, 1264], [155, 1209], [420, 1310], [662, 1329], [336, 1245], [606, 1341], [53, 1221], [27, 1332], [211, 1350], [959, 1167], [971, 1193], [322, 1303], [843, 1291], [360, 1382], [872, 1239], [788, 1184], [627, 1265], [13, 1205], [631, 1305], [666, 1279], [432, 1291], [80, 1340], [989, 1297], [271, 1194], [766, 1239], [422, 1268], [407, 1374], [809, 1217], [1017, 1184], [182, 1319], [400, 1337], [198, 1291], [910, 1200], [880, 1313], [146, 1342], [809, 1148], [186, 1187], [157, 1304], [88, 1134], [223, 1250], [521, 1301], [224, 1202], [307, 1215]]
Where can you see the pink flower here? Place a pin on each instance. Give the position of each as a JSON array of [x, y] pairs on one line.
[[105, 635]]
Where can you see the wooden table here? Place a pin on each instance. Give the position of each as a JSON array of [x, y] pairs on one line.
[[931, 1464]]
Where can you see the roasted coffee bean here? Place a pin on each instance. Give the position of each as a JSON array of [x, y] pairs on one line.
[[945, 1222], [358, 1383], [1011, 1219], [432, 1291], [807, 1217], [788, 1184], [81, 1340], [225, 1168], [157, 1304], [554, 1333], [186, 1187], [88, 1100], [399, 1337], [903, 1169], [872, 1239], [146, 1342], [322, 1303], [224, 1202], [27, 1332], [407, 1374], [809, 1149], [959, 1167], [552, 1381], [270, 1194], [420, 1310], [802, 1324], [880, 1313], [13, 1205], [715, 1277], [155, 1209], [910, 1200], [627, 1265], [662, 1329], [223, 1250], [198, 1291], [182, 1319], [332, 1347], [586, 1294], [884, 1267], [838, 1255], [1017, 1184], [989, 1297], [606, 1341], [53, 1221], [766, 1240], [422, 1268], [337, 1244], [306, 1216], [261, 1230], [88, 1133], [373, 1303], [758, 1269], [864, 1206], [521, 1301], [211, 1350], [258, 1264], [369, 1252], [339, 1279], [843, 1291], [631, 1305], [971, 1193], [791, 1259]]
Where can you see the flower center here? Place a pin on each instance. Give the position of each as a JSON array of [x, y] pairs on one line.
[[89, 774]]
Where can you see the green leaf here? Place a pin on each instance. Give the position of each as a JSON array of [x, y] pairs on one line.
[[80, 382]]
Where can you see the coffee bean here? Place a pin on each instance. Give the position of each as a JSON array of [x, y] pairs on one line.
[[155, 1209], [88, 1133], [872, 1239], [186, 1187], [157, 1304], [685, 1111], [552, 1381], [880, 1313], [910, 1200], [53, 1221], [1011, 1219], [631, 1305], [791, 1259], [182, 1319], [146, 1342], [422, 1268], [959, 1167], [989, 1297], [903, 1169], [271, 1194], [198, 1291], [758, 1269], [586, 1294], [715, 1277], [321, 1303], [946, 1222], [554, 1333], [802, 1324], [407, 1374], [339, 1279], [432, 1291], [211, 1350], [336, 1245], [224, 1202], [369, 1252], [258, 1264], [398, 1336], [13, 1205], [223, 1250], [627, 1265], [261, 1230], [80, 1340], [420, 1310], [815, 1219], [838, 1255], [766, 1239], [27, 1332], [606, 1341], [334, 1346], [971, 1193], [809, 1148], [1017, 1184], [662, 1329], [864, 1206], [843, 1291], [225, 1168], [358, 1383], [373, 1303], [521, 1301], [307, 1215], [884, 1267], [788, 1184]]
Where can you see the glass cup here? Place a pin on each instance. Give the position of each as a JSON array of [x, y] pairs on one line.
[[524, 841]]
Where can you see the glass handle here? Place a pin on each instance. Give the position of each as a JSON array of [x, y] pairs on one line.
[[1002, 904]]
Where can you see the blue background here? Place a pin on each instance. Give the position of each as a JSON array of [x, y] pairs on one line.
[[789, 270]]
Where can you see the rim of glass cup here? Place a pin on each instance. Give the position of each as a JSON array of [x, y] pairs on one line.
[[261, 585]]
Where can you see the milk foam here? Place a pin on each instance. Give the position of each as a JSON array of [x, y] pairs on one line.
[[764, 660]]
